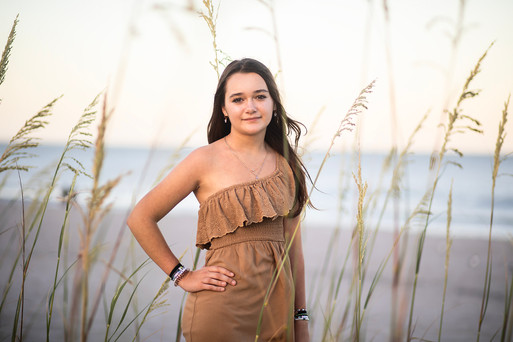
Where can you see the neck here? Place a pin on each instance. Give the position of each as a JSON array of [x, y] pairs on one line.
[[247, 143]]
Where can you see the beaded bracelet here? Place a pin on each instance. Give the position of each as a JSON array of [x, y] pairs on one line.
[[182, 271], [301, 315]]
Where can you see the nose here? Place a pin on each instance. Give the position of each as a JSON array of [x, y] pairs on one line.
[[250, 107]]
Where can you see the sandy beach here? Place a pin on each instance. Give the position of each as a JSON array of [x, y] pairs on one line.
[[462, 306]]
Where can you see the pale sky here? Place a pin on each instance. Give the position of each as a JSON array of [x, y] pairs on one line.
[[329, 51]]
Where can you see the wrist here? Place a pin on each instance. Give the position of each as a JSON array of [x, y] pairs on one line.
[[301, 315], [173, 272], [178, 273]]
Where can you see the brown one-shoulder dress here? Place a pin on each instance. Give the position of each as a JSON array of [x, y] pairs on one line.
[[242, 229]]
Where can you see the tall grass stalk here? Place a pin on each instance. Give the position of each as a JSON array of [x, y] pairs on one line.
[[75, 141], [91, 219], [367, 41], [130, 251], [390, 69], [51, 297], [133, 278], [96, 211], [332, 300], [101, 287], [395, 133], [507, 322], [210, 17], [346, 124], [453, 126], [178, 335], [455, 40], [108, 268], [419, 210], [362, 237], [394, 188], [335, 282], [130, 324], [65, 286], [115, 298], [125, 311], [347, 306], [17, 148], [395, 181], [157, 302], [269, 4], [319, 275], [15, 151], [4, 62], [497, 159], [21, 300], [120, 73], [448, 244]]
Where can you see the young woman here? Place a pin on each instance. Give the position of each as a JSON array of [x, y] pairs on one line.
[[251, 188]]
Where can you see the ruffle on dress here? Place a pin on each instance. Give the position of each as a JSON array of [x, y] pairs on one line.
[[243, 204]]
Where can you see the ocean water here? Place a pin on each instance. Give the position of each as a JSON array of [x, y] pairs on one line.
[[335, 195]]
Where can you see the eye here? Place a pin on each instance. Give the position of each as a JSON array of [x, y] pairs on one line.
[[237, 100], [261, 97]]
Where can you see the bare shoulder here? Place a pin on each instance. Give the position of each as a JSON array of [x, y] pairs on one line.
[[198, 164], [199, 159], [201, 153], [207, 152], [183, 179]]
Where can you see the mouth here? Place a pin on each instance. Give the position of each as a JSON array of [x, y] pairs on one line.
[[253, 118]]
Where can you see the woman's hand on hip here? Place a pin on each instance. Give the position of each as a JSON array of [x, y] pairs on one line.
[[210, 278]]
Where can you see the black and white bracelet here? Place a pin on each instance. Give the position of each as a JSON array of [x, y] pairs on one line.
[[178, 273], [173, 272], [301, 315]]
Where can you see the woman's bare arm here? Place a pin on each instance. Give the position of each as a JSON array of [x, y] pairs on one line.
[[180, 182], [298, 270]]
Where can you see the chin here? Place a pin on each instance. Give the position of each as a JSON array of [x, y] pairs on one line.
[[254, 131]]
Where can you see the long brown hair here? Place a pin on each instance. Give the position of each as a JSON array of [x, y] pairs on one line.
[[278, 131]]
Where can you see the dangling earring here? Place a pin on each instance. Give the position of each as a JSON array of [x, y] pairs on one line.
[[276, 116], [226, 119]]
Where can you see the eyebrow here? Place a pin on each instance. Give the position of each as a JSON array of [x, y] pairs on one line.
[[255, 92]]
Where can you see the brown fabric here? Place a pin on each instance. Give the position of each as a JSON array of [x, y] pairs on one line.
[[233, 315], [242, 204], [243, 228]]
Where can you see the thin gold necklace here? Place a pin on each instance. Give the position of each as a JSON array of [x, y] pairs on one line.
[[254, 172]]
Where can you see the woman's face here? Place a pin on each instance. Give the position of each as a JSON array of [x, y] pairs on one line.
[[248, 104]]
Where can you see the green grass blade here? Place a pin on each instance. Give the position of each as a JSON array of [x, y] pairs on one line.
[[116, 297], [179, 323], [59, 249], [507, 311]]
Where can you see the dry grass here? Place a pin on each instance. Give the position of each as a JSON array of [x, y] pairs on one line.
[[4, 62], [497, 159], [457, 123]]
